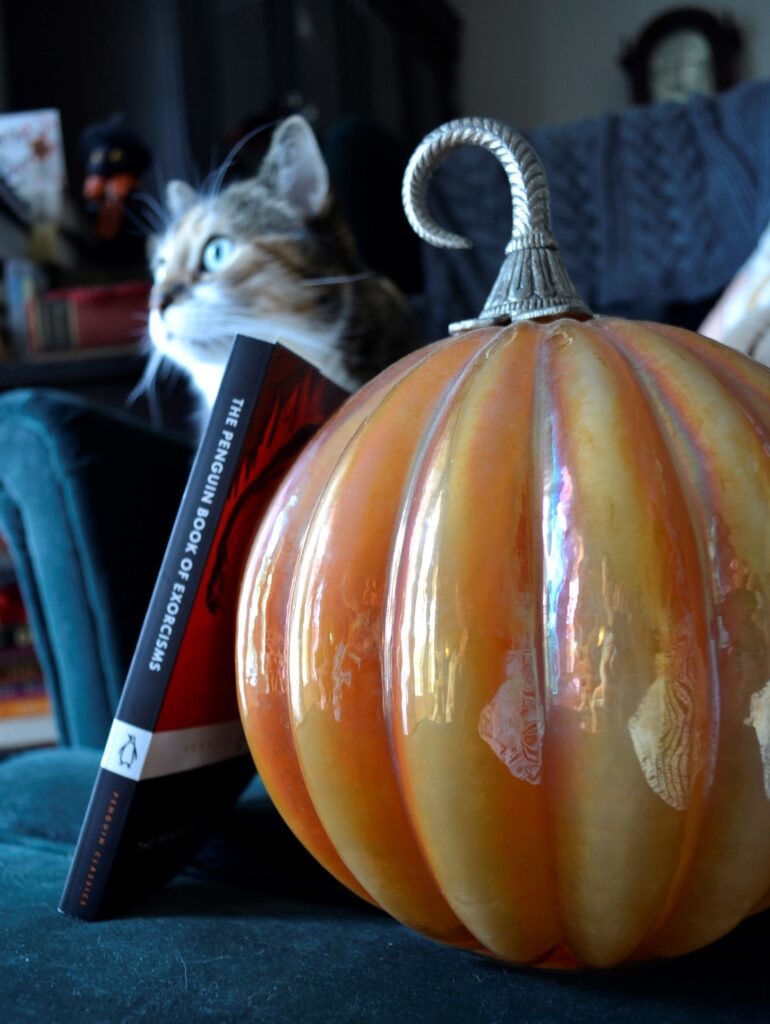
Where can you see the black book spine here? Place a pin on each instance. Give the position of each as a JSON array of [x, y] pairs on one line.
[[124, 761]]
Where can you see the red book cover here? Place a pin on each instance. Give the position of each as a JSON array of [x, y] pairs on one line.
[[176, 756], [96, 316]]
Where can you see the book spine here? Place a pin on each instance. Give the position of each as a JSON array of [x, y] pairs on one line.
[[133, 751], [22, 284], [105, 818]]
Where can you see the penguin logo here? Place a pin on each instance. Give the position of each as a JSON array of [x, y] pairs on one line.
[[127, 753]]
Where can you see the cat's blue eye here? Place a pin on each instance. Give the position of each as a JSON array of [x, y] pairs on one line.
[[218, 253]]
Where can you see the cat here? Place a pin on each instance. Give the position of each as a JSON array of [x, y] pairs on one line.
[[271, 257]]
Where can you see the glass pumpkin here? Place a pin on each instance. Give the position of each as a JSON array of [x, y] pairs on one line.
[[503, 651]]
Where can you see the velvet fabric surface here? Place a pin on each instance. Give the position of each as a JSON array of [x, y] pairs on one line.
[[87, 500], [254, 930]]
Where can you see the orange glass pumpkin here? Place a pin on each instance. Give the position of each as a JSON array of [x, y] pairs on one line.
[[503, 647]]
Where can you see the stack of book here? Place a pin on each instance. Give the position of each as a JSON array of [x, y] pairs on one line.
[[46, 321], [26, 714]]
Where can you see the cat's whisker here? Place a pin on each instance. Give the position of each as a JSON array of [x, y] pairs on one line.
[[157, 367], [143, 226], [313, 282], [160, 177], [161, 215], [227, 163], [205, 187], [147, 380]]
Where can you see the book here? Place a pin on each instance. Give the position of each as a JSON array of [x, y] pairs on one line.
[[45, 320], [24, 280], [97, 316], [176, 755], [26, 715]]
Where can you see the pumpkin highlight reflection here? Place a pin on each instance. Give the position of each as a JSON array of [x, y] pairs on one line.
[[503, 641]]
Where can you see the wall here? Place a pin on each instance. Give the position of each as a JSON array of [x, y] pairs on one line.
[[126, 62], [187, 73], [536, 62]]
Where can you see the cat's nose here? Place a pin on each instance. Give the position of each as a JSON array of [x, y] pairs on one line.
[[167, 296]]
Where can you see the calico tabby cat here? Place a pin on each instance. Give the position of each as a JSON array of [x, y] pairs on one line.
[[272, 257]]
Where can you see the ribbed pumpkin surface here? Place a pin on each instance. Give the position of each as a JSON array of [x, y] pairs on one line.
[[503, 647]]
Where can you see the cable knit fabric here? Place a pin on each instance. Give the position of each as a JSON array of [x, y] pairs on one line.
[[653, 207]]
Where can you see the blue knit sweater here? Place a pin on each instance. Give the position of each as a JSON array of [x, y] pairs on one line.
[[654, 208]]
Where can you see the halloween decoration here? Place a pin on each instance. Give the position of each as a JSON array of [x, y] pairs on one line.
[[681, 53], [502, 642], [115, 161]]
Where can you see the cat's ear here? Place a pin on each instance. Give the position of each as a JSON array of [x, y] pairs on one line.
[[295, 168], [180, 197]]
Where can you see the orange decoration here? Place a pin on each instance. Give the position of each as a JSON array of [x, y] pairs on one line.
[[503, 641]]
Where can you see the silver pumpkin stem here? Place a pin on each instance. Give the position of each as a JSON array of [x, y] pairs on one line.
[[533, 281]]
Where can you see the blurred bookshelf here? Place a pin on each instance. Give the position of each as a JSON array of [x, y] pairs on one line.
[[82, 332]]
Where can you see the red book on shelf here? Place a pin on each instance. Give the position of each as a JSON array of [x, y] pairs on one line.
[[97, 316]]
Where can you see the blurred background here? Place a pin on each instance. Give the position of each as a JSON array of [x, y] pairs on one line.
[[188, 74], [536, 64]]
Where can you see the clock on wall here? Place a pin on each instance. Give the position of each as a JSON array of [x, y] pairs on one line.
[[682, 53]]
